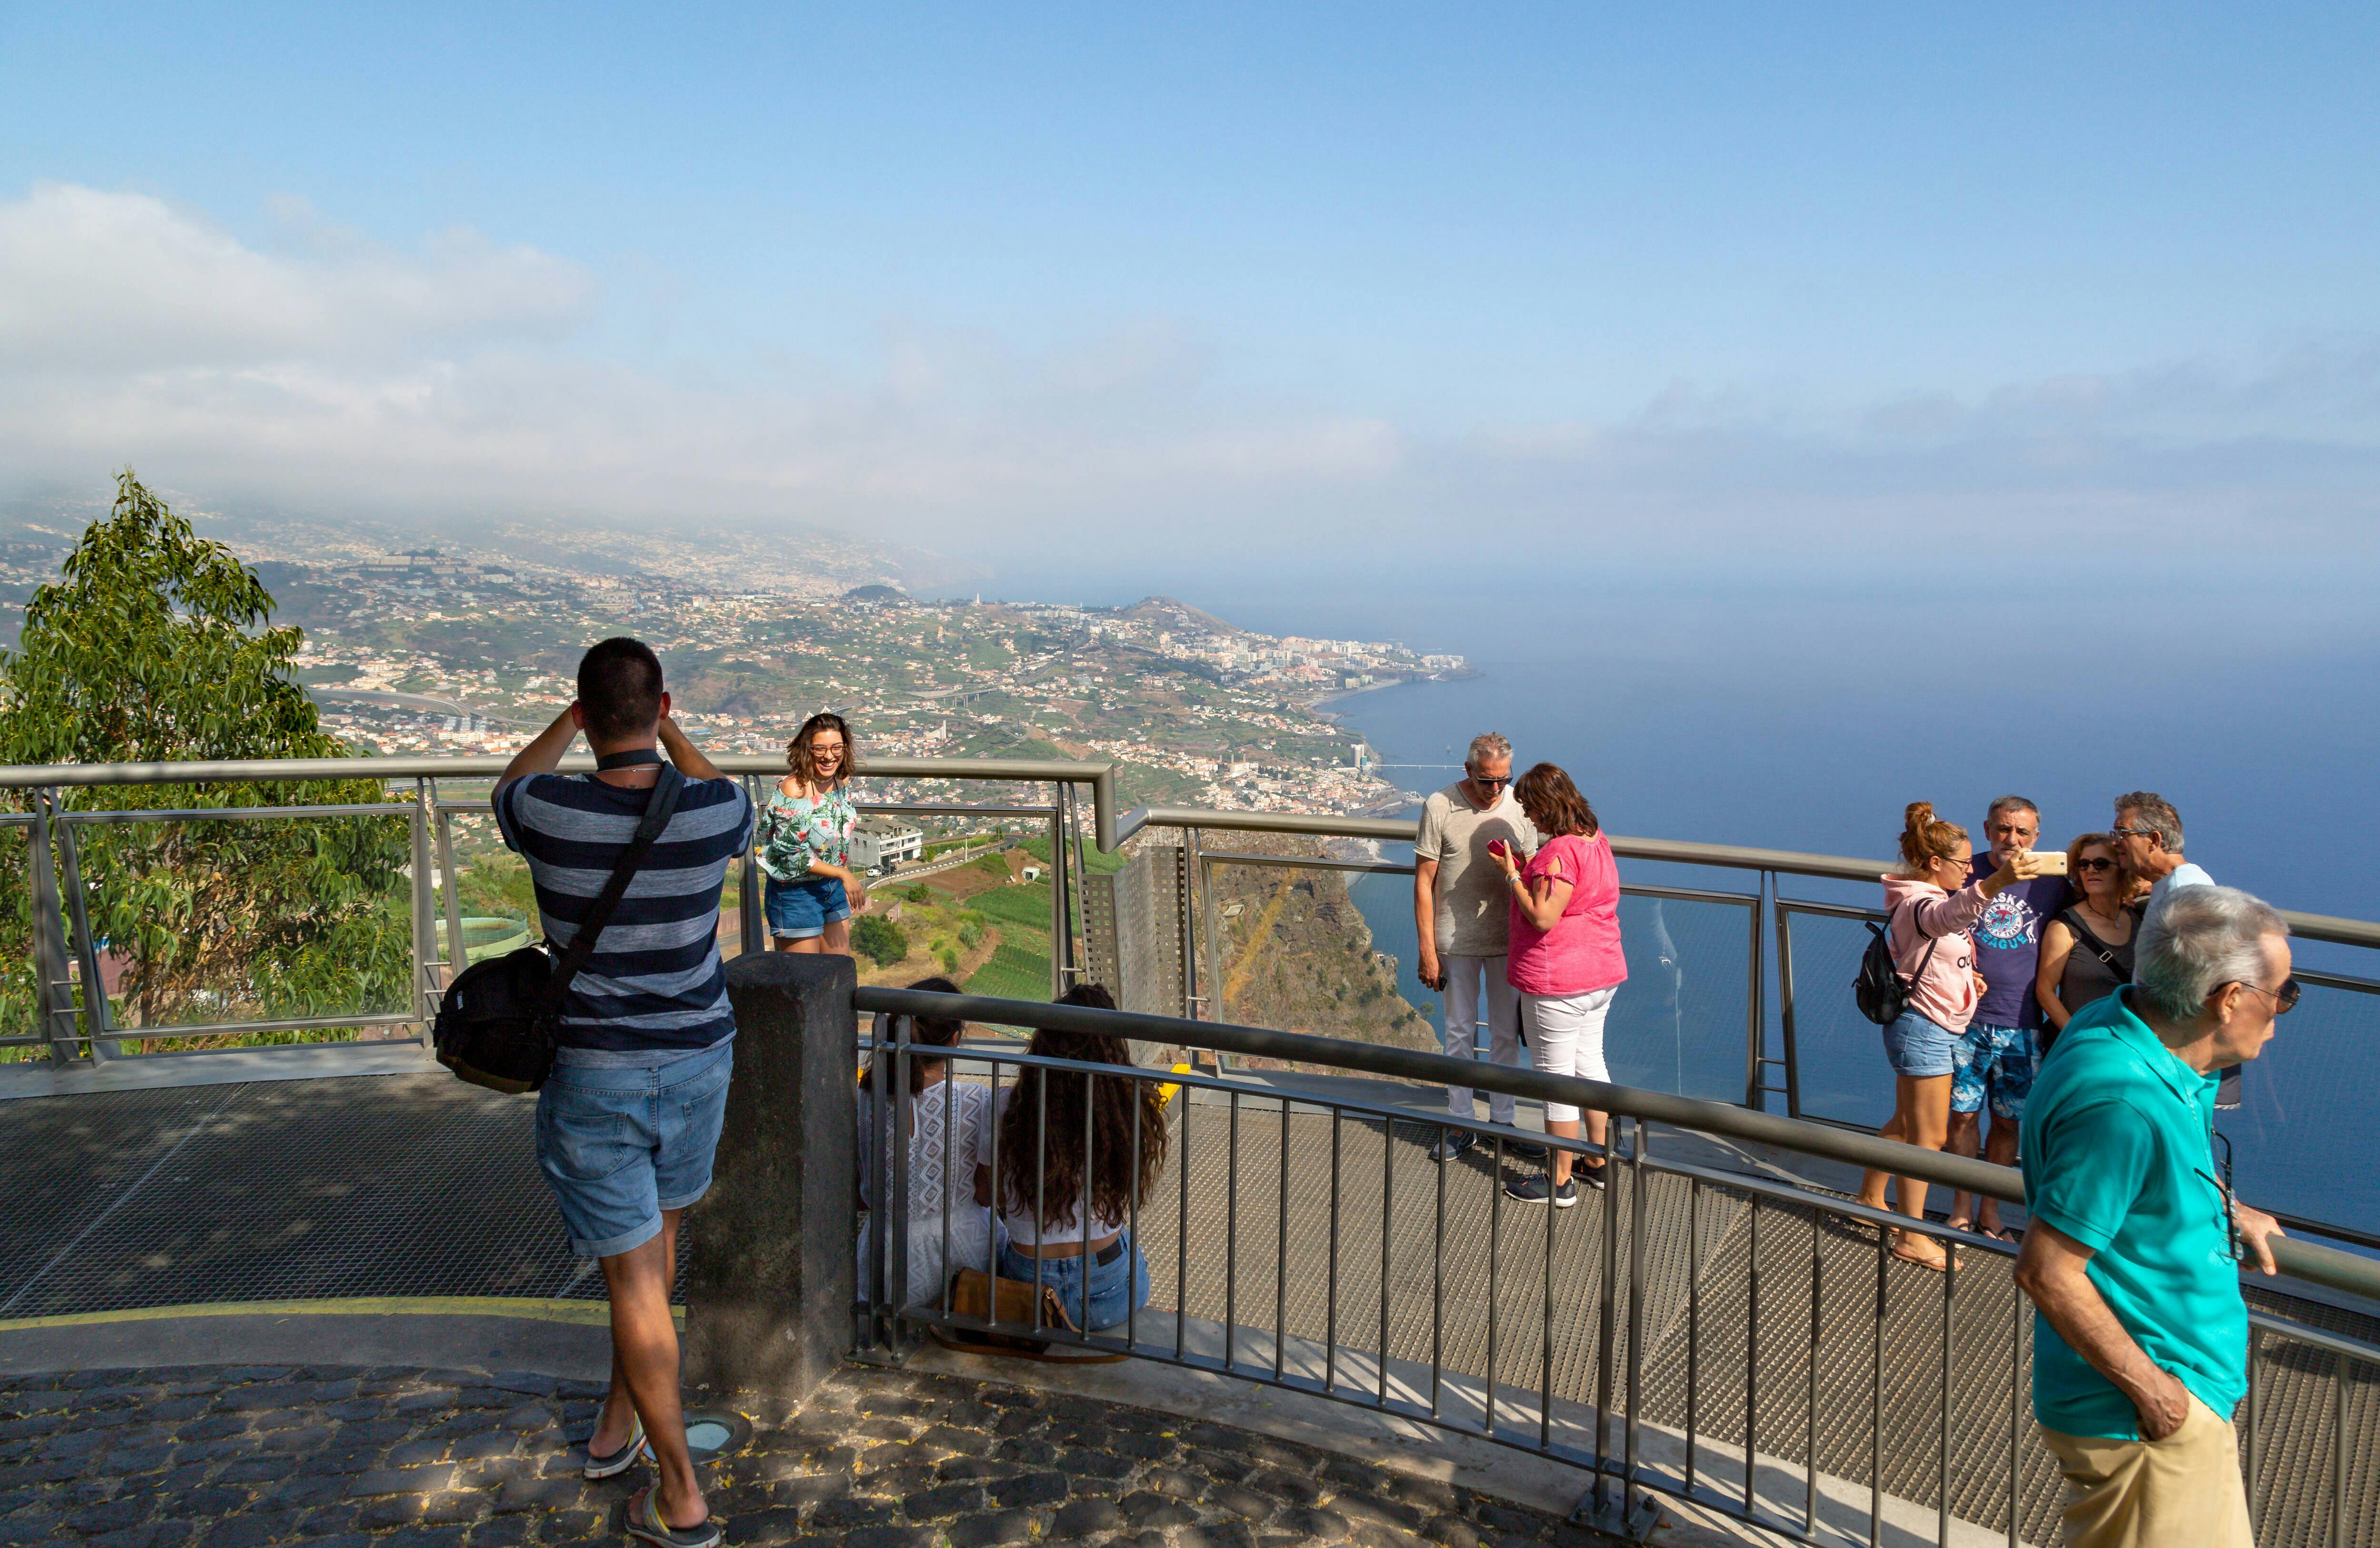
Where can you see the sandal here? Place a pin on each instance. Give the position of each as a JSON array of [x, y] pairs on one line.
[[645, 1524], [612, 1464]]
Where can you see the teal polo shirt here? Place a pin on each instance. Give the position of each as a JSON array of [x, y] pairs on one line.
[[2116, 1147]]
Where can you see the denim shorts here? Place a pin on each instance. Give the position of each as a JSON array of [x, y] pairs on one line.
[[1995, 1062], [799, 910], [1110, 1283], [619, 1144], [1919, 1047]]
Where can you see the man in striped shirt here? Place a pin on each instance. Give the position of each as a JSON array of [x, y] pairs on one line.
[[628, 1120]]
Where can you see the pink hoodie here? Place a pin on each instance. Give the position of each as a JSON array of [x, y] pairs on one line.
[[1921, 913]]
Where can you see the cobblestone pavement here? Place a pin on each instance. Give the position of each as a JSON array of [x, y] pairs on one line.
[[230, 1457]]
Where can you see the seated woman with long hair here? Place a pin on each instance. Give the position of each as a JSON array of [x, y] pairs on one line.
[[1045, 1176], [950, 1151]]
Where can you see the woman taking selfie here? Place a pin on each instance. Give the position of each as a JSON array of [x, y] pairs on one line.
[[1929, 908], [804, 843], [950, 1144], [1565, 960], [2086, 951], [1045, 1174]]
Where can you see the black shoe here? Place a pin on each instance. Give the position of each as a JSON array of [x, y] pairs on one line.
[[1540, 1189], [1594, 1175], [1522, 1150], [1453, 1143]]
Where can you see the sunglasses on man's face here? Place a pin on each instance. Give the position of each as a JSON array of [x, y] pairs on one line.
[[2285, 998], [1491, 783], [2132, 833]]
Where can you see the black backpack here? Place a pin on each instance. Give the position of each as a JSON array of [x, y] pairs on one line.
[[495, 1023], [1880, 990]]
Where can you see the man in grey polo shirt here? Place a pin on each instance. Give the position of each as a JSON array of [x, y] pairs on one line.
[[1461, 907]]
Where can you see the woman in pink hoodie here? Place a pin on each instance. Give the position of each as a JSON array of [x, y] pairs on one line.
[[1928, 923]]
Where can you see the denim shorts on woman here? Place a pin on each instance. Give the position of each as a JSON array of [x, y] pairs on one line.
[[799, 910], [1117, 1287], [620, 1144], [1919, 1048]]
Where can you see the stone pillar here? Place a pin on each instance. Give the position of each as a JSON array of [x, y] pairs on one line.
[[770, 1273]]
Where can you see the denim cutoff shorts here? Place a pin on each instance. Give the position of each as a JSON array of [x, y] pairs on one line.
[[1110, 1283], [1918, 1046], [799, 910], [620, 1144]]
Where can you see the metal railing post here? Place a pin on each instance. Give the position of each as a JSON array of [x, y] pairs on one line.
[[1214, 941], [423, 929], [1785, 1009], [49, 939], [97, 1020], [1756, 1034], [1060, 955], [457, 956], [751, 917]]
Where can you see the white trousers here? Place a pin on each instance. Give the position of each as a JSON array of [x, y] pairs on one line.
[[1467, 1001], [1566, 1038]]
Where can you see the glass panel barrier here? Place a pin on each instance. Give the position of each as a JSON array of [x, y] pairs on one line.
[[1678, 1024], [218, 923], [1840, 1053], [2313, 1092], [1293, 950]]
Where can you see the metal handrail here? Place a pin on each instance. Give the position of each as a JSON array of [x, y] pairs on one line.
[[2320, 1265], [1098, 774], [1786, 862]]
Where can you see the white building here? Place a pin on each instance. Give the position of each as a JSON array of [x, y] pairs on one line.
[[882, 842]]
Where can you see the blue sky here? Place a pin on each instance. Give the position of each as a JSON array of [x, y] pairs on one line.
[[1104, 286]]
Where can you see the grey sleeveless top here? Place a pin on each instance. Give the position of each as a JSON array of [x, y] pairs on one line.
[[2087, 977]]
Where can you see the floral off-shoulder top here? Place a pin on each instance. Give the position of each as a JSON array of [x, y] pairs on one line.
[[797, 832]]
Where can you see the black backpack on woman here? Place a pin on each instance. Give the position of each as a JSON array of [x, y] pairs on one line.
[[495, 1022], [1880, 990]]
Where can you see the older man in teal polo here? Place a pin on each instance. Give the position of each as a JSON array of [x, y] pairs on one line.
[[2141, 1342]]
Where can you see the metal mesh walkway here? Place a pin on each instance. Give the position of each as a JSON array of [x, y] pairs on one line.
[[402, 1185], [417, 1184], [1443, 1300]]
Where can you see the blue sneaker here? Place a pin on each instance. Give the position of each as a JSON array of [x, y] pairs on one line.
[[1540, 1189], [1452, 1142]]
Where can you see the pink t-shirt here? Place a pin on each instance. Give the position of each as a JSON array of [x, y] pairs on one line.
[[1581, 952]]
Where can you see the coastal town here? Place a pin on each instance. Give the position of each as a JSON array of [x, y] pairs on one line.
[[432, 652]]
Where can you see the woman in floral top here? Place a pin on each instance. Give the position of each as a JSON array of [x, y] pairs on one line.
[[805, 841]]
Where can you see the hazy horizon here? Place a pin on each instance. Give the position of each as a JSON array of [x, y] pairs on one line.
[[1156, 303]]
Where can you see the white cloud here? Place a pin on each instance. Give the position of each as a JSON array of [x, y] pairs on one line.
[[332, 372]]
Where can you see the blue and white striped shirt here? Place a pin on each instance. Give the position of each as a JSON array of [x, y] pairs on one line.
[[655, 981]]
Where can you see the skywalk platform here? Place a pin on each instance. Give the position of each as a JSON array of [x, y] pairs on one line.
[[383, 1204]]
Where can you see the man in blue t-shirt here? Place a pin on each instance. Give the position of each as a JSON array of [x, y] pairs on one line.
[[1993, 1060], [628, 1117]]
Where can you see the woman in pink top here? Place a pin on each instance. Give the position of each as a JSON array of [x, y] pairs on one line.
[[1926, 923], [1564, 958]]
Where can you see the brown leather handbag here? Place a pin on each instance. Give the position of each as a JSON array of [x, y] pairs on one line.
[[971, 1296]]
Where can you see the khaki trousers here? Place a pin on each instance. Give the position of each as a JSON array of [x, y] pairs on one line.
[[2182, 1491]]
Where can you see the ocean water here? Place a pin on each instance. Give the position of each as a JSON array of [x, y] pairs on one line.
[[1808, 723]]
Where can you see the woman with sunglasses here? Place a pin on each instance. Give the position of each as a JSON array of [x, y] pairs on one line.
[[2086, 951], [1930, 907]]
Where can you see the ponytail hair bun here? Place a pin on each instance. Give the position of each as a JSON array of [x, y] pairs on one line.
[[1925, 839]]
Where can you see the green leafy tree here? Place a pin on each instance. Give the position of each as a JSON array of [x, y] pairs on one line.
[[876, 937], [157, 645]]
